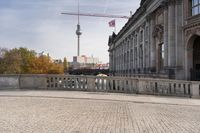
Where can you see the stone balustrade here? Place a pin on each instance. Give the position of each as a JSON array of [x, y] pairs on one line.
[[102, 84]]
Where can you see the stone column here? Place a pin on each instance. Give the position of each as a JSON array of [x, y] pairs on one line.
[[143, 51], [114, 64], [117, 60], [110, 60], [129, 64], [126, 63], [122, 58], [165, 35], [128, 43], [179, 40], [147, 43], [147, 47], [171, 34], [152, 44], [138, 52], [133, 56]]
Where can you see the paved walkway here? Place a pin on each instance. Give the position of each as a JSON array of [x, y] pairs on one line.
[[85, 112]]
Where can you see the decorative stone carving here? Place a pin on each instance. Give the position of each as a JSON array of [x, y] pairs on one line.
[[158, 32], [192, 31], [164, 4]]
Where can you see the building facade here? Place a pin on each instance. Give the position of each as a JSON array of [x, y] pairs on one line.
[[161, 38], [81, 62]]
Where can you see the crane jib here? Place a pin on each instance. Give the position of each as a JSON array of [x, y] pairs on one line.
[[96, 15]]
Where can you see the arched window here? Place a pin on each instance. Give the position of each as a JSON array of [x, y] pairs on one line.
[[195, 7]]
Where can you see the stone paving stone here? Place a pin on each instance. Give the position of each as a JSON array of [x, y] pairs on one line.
[[61, 115]]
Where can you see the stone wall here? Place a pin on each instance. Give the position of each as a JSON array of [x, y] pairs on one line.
[[102, 84], [32, 82], [9, 82]]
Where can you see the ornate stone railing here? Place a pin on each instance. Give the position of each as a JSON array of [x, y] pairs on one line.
[[125, 85], [102, 84]]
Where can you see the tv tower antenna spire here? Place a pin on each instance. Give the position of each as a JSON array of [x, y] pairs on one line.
[[78, 32]]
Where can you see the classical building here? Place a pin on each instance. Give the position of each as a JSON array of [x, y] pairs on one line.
[[162, 38]]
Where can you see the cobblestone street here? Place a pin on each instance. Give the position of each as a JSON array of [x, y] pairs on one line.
[[81, 112]]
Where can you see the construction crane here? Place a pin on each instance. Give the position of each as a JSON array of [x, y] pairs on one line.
[[96, 15], [78, 30]]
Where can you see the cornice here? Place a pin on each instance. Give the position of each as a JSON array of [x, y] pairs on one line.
[[139, 12]]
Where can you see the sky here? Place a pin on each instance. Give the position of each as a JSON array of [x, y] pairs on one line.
[[38, 25]]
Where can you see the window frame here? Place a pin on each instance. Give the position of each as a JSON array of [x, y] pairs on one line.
[[195, 7]]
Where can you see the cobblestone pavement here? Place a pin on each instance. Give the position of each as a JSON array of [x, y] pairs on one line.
[[46, 112]]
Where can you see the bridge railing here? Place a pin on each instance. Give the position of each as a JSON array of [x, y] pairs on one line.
[[102, 84], [124, 85]]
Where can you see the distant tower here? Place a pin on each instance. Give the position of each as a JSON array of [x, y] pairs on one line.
[[78, 33]]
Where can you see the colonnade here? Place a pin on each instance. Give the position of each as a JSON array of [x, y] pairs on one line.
[[138, 50]]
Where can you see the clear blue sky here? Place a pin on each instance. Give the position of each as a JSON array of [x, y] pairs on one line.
[[38, 25]]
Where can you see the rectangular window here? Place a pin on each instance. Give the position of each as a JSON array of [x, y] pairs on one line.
[[161, 56], [195, 7], [146, 33], [195, 2], [136, 40], [135, 57], [141, 36]]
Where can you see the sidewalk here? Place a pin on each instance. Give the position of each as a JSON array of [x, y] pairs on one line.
[[105, 96]]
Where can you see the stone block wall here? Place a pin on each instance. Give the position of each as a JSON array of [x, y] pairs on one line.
[[9, 82]]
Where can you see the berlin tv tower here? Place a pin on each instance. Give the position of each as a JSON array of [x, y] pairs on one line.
[[78, 32]]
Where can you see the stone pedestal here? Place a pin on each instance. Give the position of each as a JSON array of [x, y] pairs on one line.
[[195, 90]]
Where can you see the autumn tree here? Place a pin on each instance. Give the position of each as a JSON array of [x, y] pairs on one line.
[[56, 69], [24, 61], [27, 56], [12, 61]]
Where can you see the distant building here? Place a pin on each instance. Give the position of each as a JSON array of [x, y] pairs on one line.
[[102, 66], [84, 62], [80, 62], [79, 59], [161, 38]]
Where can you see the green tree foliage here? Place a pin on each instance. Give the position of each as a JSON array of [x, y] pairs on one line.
[[2, 63], [12, 62], [65, 65], [24, 61], [27, 56]]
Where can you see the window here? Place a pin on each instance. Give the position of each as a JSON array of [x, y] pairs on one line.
[[141, 56], [146, 32], [161, 56], [135, 57], [136, 40], [195, 7], [128, 45], [141, 36], [131, 56]]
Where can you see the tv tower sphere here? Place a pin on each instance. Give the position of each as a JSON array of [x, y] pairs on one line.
[[78, 31]]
